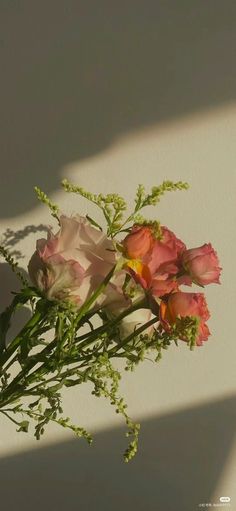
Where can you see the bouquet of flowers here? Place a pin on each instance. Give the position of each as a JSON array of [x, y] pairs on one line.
[[96, 296]]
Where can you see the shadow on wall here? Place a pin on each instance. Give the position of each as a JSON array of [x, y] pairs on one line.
[[75, 75], [180, 459], [9, 284]]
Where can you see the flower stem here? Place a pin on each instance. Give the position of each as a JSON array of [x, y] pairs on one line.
[[112, 352], [26, 330], [87, 304], [90, 336]]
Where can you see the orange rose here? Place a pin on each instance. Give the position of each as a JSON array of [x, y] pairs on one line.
[[138, 242], [186, 304]]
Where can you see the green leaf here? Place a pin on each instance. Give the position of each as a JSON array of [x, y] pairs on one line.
[[92, 222], [24, 426]]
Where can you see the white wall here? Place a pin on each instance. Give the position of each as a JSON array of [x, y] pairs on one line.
[[186, 402]]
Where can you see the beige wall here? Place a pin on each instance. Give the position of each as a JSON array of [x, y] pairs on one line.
[[186, 404]]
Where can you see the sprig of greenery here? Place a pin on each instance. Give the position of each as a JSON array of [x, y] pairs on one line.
[[113, 206], [42, 197], [143, 199], [185, 328], [106, 383]]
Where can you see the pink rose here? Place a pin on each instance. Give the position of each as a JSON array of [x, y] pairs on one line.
[[138, 242], [202, 264], [72, 263], [181, 304]]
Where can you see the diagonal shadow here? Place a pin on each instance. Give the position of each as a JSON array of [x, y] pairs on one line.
[[77, 75], [180, 459], [9, 285]]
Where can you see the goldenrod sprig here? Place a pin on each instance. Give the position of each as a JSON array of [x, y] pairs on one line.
[[151, 199], [143, 199], [42, 197], [112, 205]]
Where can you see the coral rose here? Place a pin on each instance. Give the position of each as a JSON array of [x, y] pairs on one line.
[[167, 250], [182, 304], [138, 242], [156, 269]]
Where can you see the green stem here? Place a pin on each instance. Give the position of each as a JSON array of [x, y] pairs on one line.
[[29, 327], [26, 330], [91, 336], [14, 395], [33, 361], [129, 338], [87, 304], [15, 390], [12, 361], [9, 417], [111, 353]]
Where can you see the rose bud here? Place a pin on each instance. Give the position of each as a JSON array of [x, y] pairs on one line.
[[135, 320], [72, 263], [138, 242], [202, 264], [182, 304]]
